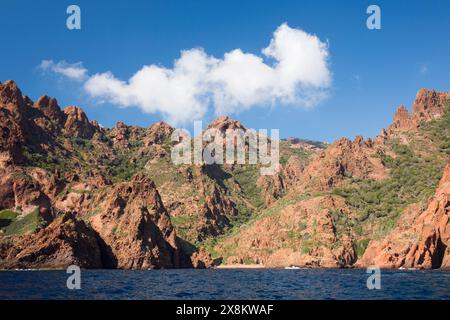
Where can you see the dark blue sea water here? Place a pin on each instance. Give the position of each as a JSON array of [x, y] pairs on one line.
[[225, 284]]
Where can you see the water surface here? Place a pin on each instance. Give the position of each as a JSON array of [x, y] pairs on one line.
[[225, 284]]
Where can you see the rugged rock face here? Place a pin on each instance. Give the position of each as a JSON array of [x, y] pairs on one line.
[[403, 121], [117, 193], [302, 234], [12, 107], [132, 226], [223, 123], [119, 135], [272, 188], [202, 260], [157, 133], [340, 160], [136, 227], [77, 123], [27, 191], [50, 108], [429, 104], [216, 210], [66, 241], [11, 98], [421, 240]]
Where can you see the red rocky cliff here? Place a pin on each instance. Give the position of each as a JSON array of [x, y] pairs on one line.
[[422, 238]]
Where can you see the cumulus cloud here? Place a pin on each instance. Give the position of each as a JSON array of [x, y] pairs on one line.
[[74, 71], [292, 70], [180, 94]]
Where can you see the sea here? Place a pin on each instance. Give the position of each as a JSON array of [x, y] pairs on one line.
[[223, 284]]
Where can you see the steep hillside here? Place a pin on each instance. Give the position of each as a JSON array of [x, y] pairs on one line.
[[55, 161], [354, 193], [69, 187]]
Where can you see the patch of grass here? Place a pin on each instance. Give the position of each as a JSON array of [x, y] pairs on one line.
[[361, 246], [163, 171], [183, 226], [309, 244], [23, 225], [247, 177], [439, 131], [123, 169], [48, 161], [7, 217], [286, 152]]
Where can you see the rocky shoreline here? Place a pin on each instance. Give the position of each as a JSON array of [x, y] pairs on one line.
[[73, 192]]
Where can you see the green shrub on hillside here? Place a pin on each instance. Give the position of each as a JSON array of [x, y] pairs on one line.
[[414, 175], [20, 225], [6, 218]]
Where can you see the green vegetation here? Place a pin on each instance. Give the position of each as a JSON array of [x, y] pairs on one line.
[[361, 246], [439, 131], [123, 168], [286, 152], [12, 224], [163, 171], [247, 177], [47, 161], [412, 179], [183, 225], [415, 172], [7, 217], [210, 243]]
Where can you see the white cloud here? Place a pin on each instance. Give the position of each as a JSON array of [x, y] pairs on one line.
[[292, 70], [74, 71]]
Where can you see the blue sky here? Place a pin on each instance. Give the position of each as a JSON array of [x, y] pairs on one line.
[[372, 71]]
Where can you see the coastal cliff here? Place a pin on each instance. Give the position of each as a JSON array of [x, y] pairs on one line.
[[73, 192]]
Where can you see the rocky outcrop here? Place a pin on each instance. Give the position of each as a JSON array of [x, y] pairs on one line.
[[403, 120], [292, 171], [302, 234], [223, 123], [157, 133], [50, 108], [422, 238], [66, 241], [11, 98], [272, 188], [12, 108], [135, 227], [343, 159], [77, 123], [201, 259], [429, 104], [119, 135], [215, 214], [26, 192]]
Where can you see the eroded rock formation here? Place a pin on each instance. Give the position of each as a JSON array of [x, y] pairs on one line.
[[422, 238]]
